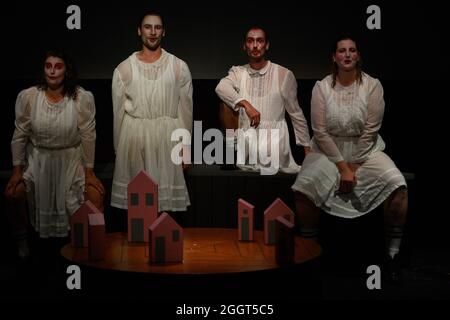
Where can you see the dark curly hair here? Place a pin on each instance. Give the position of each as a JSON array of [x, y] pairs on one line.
[[70, 82], [334, 66]]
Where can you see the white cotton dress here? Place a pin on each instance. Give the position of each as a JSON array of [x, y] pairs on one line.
[[150, 101], [55, 142], [345, 122], [271, 90]]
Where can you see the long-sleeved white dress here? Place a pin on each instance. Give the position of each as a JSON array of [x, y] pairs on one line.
[[345, 122], [150, 101], [55, 142], [271, 90]]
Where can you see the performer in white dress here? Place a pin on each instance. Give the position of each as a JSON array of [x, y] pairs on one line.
[[53, 149], [152, 96], [262, 91], [347, 174]]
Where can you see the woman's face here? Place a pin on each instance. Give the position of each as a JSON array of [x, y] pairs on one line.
[[346, 55], [55, 70]]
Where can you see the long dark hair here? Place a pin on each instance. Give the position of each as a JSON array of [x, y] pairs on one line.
[[334, 66], [70, 82]]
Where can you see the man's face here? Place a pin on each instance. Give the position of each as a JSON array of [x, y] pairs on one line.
[[255, 44], [151, 32]]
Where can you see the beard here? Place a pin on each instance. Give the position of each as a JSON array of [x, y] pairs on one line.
[[152, 46]]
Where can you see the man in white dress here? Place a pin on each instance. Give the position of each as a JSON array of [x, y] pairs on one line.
[[152, 96], [262, 91]]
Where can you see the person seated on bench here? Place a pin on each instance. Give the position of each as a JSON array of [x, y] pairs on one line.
[[347, 174], [262, 91], [53, 150]]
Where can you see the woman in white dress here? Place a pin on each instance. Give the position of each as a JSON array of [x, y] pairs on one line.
[[347, 174], [53, 149]]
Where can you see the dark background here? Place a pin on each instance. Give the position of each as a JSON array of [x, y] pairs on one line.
[[407, 55], [208, 35]]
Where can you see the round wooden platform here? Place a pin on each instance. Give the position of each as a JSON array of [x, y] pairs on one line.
[[206, 251]]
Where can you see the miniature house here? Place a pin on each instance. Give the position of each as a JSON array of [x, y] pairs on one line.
[[142, 206], [284, 241], [277, 209], [79, 224], [97, 235], [245, 220], [165, 240]]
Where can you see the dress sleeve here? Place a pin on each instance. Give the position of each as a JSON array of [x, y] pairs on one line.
[[228, 88], [86, 127], [375, 112], [22, 129], [185, 104], [118, 100], [289, 94], [319, 126]]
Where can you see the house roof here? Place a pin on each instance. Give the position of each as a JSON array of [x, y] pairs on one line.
[[246, 204], [164, 220], [86, 208], [276, 207], [143, 177]]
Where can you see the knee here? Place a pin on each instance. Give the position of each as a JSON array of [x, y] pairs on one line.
[[93, 195], [400, 195], [399, 201]]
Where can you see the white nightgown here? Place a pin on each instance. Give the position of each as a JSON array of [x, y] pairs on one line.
[[345, 122], [150, 101], [55, 142], [271, 90]]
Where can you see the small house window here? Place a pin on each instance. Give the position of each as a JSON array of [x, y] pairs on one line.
[[149, 199], [176, 235], [134, 199]]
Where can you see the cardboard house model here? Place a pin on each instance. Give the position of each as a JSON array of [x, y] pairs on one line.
[[79, 224], [165, 240], [245, 220], [97, 235], [277, 209], [284, 241], [142, 206]]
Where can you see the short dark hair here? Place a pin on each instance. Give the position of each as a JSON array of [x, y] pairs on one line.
[[70, 83], [266, 36], [151, 13]]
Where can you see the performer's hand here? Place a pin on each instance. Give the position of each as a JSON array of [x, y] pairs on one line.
[[354, 166], [185, 155], [14, 181], [91, 180], [348, 178], [252, 113], [185, 165], [307, 150]]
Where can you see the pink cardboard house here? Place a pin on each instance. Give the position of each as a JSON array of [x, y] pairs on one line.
[[97, 235], [79, 224], [277, 209], [245, 220], [284, 241], [142, 206], [165, 240]]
